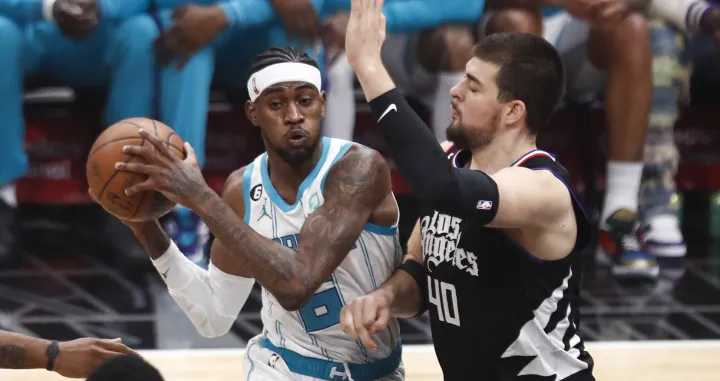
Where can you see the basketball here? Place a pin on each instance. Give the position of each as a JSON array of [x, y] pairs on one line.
[[108, 184]]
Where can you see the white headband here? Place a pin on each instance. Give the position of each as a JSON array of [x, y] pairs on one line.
[[282, 72]]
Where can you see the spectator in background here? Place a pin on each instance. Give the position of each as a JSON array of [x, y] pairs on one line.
[[427, 46], [606, 48], [669, 23], [75, 43], [202, 41]]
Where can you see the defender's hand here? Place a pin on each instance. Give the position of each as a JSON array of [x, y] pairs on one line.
[[78, 358], [76, 19], [364, 317], [365, 33]]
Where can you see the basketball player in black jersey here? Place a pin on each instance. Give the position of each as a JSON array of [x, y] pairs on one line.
[[495, 255]]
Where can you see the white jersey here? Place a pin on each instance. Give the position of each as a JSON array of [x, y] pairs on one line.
[[314, 330]]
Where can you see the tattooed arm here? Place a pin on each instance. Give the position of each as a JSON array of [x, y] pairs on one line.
[[354, 187], [21, 352]]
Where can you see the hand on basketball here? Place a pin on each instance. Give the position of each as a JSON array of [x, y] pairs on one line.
[[79, 357], [364, 317], [179, 180], [76, 19], [365, 33]]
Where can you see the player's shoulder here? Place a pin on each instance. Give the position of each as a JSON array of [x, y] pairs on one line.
[[234, 183], [359, 166], [359, 157]]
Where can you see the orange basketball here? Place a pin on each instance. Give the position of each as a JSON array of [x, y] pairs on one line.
[[108, 184]]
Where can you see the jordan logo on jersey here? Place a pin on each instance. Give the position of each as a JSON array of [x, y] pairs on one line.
[[440, 238]]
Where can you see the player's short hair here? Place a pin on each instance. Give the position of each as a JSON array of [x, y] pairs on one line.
[[531, 71], [125, 368], [291, 65], [278, 55]]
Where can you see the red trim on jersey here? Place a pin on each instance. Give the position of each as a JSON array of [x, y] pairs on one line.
[[530, 155], [447, 151]]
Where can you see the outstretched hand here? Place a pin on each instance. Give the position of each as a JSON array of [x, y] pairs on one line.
[[365, 33], [78, 358], [179, 180]]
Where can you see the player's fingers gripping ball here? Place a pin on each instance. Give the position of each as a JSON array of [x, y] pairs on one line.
[[108, 185]]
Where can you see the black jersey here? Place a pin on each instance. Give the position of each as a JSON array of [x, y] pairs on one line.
[[498, 313]]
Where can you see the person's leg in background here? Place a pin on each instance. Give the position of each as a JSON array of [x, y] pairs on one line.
[[118, 56], [13, 161], [622, 57], [661, 232], [624, 53], [443, 52], [340, 107], [184, 97]]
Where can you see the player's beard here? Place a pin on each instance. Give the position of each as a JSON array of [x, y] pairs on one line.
[[471, 139]]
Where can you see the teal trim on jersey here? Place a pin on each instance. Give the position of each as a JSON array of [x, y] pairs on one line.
[[270, 189], [247, 176], [382, 230], [340, 154], [366, 254], [335, 371]]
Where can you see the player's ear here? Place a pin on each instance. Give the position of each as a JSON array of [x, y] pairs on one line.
[[323, 98], [514, 112], [251, 113]]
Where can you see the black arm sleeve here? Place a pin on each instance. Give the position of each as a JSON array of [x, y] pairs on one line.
[[425, 167]]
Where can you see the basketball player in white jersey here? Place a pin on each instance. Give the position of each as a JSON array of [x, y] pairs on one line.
[[313, 220]]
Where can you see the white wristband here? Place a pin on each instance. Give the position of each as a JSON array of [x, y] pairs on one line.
[[47, 10]]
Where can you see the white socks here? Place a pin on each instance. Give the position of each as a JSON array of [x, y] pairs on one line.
[[340, 105], [623, 187], [441, 113], [7, 194]]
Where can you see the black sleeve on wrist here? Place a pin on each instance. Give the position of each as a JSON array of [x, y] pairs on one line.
[[417, 271]]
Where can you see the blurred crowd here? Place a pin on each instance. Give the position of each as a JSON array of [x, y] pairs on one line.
[[160, 59]]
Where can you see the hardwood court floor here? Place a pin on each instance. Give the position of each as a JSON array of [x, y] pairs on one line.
[[615, 361]]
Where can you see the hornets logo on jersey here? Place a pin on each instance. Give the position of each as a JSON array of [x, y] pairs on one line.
[[314, 330]]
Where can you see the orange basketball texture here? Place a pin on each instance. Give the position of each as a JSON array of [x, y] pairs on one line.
[[108, 184]]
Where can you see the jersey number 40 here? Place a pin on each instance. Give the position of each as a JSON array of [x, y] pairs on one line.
[[444, 297]]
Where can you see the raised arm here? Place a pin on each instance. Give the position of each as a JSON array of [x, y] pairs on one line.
[[354, 187]]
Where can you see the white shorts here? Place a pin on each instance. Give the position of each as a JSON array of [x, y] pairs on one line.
[[584, 81], [264, 362]]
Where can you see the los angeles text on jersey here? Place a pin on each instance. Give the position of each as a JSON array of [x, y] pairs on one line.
[[440, 239]]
